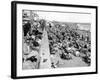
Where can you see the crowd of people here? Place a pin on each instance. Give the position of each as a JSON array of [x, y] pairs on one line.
[[63, 42], [32, 36]]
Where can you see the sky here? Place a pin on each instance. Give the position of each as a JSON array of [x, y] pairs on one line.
[[65, 17]]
